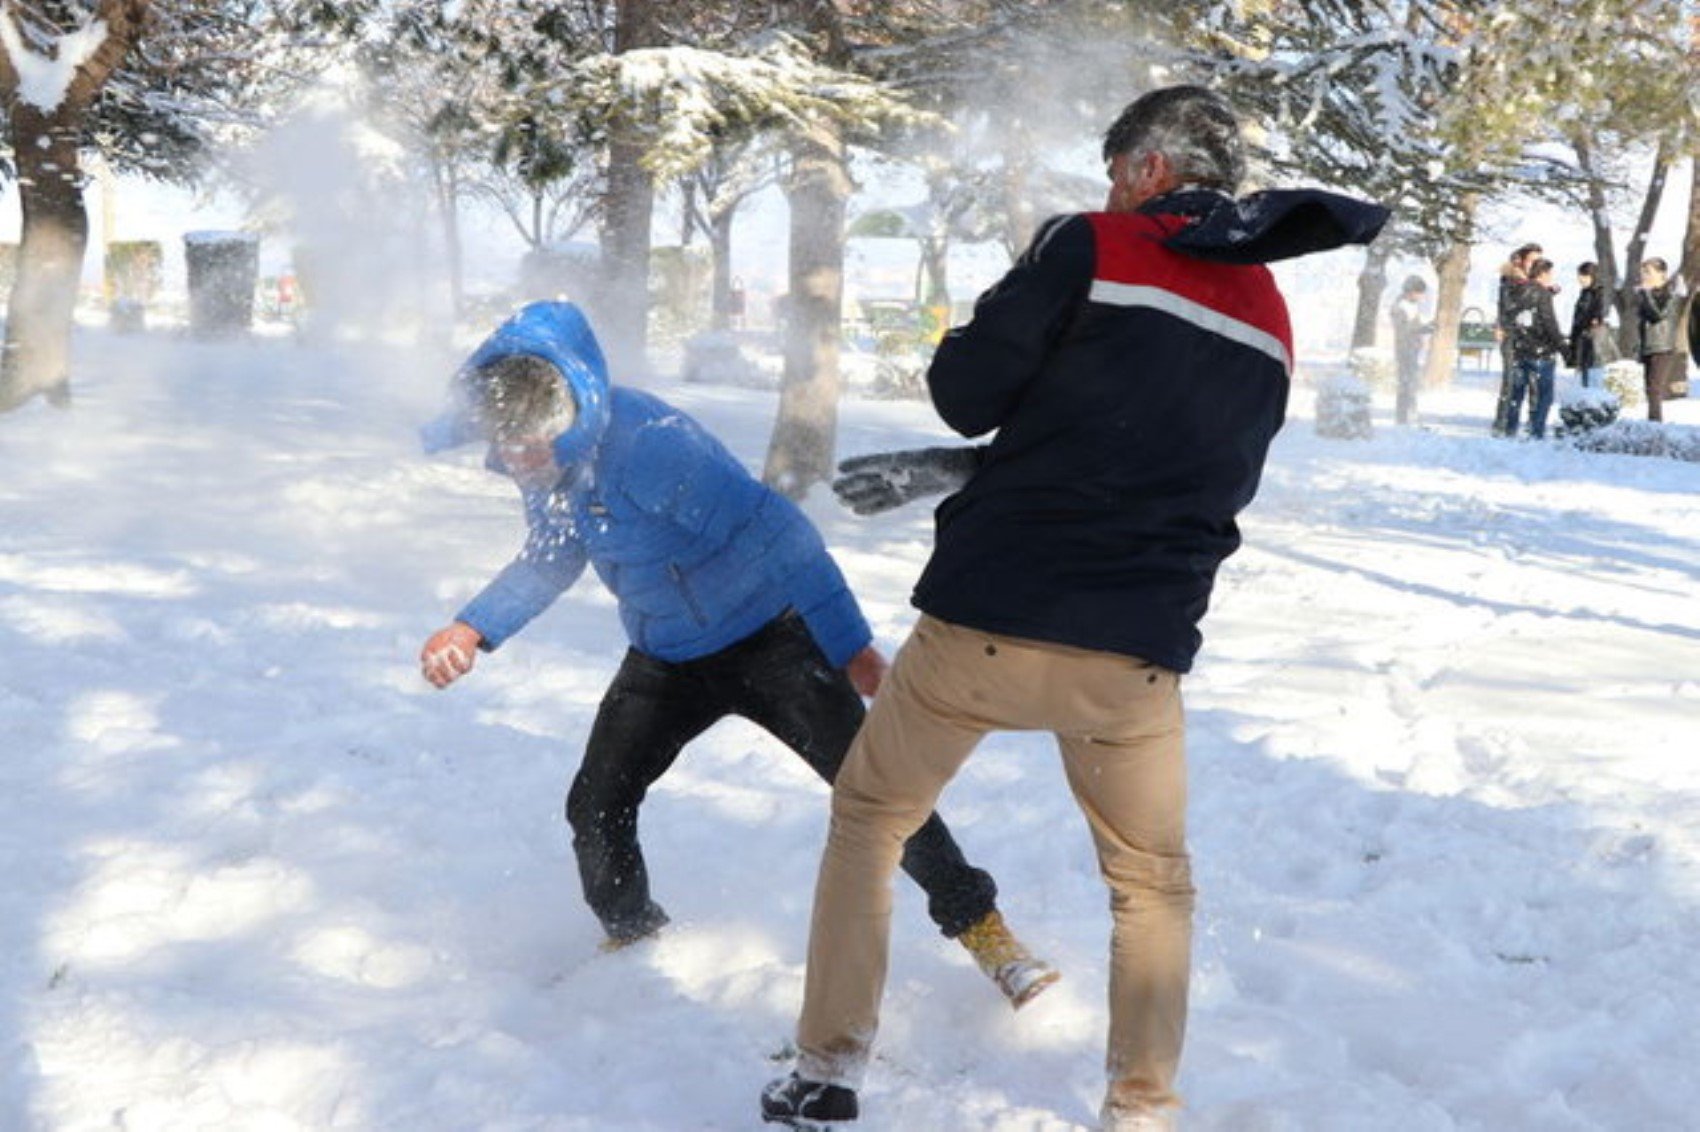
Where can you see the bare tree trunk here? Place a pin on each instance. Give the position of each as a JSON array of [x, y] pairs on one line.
[[1624, 296], [622, 310], [1687, 331], [720, 244], [1605, 247], [1372, 284], [934, 291], [804, 436], [935, 271], [1020, 222], [448, 201], [1452, 269], [1691, 233]]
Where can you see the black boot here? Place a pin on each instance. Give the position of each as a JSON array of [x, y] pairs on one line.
[[809, 1105], [633, 929]]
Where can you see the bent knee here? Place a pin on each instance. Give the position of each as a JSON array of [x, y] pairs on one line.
[[1134, 874], [590, 810]]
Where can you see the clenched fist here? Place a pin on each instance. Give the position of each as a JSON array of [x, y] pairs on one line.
[[867, 671], [449, 654]]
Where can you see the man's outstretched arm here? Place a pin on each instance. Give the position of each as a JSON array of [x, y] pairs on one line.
[[881, 481]]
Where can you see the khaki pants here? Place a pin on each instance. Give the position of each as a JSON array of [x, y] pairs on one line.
[[1119, 724]]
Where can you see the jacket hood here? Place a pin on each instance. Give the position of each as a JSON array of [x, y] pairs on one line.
[[1268, 226], [558, 333]]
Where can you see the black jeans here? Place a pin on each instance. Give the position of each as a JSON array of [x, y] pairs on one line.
[[777, 679]]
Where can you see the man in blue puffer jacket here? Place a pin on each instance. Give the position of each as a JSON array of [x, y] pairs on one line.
[[726, 592]]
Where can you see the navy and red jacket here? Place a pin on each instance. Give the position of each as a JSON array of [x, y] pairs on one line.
[[1136, 367]]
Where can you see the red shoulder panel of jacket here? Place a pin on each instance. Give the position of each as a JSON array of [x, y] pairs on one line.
[[1235, 301]]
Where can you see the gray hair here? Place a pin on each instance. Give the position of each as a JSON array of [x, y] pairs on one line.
[[1193, 127]]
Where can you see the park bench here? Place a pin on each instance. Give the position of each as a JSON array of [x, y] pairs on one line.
[[1476, 337]]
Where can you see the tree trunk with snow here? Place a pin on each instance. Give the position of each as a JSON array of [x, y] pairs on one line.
[[48, 95], [804, 437], [54, 237]]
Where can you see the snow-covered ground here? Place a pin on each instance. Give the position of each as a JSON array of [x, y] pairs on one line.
[[1446, 764]]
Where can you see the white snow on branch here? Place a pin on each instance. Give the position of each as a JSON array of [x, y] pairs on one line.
[[684, 98], [45, 76]]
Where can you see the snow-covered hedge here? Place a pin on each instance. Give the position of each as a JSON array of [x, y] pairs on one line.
[[1342, 408], [1644, 438], [1584, 410], [1590, 422]]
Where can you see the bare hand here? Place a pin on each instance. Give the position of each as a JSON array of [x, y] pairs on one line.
[[449, 654], [866, 669]]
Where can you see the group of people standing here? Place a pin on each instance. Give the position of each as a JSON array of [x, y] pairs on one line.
[[1532, 340]]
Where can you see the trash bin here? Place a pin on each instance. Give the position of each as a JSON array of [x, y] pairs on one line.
[[223, 268], [133, 269]]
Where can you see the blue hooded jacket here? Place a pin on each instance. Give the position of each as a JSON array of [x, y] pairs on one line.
[[698, 552]]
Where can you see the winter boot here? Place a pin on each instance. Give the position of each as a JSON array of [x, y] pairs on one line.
[[808, 1105], [1015, 970], [646, 925]]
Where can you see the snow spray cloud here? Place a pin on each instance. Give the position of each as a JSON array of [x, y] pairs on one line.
[[1025, 146], [339, 189]]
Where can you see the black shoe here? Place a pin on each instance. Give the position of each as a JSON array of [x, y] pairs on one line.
[[808, 1105], [645, 925]]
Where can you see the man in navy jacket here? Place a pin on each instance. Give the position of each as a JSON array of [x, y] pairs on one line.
[[1134, 364], [728, 596]]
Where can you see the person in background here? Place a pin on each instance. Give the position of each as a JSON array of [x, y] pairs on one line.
[[1411, 329], [1135, 365], [1656, 308], [1588, 329], [1536, 342], [728, 597], [1514, 300]]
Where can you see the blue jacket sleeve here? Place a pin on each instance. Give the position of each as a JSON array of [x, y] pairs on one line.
[[980, 371], [552, 560], [824, 601], [837, 626]]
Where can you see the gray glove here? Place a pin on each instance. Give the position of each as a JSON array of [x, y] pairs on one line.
[[883, 480]]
